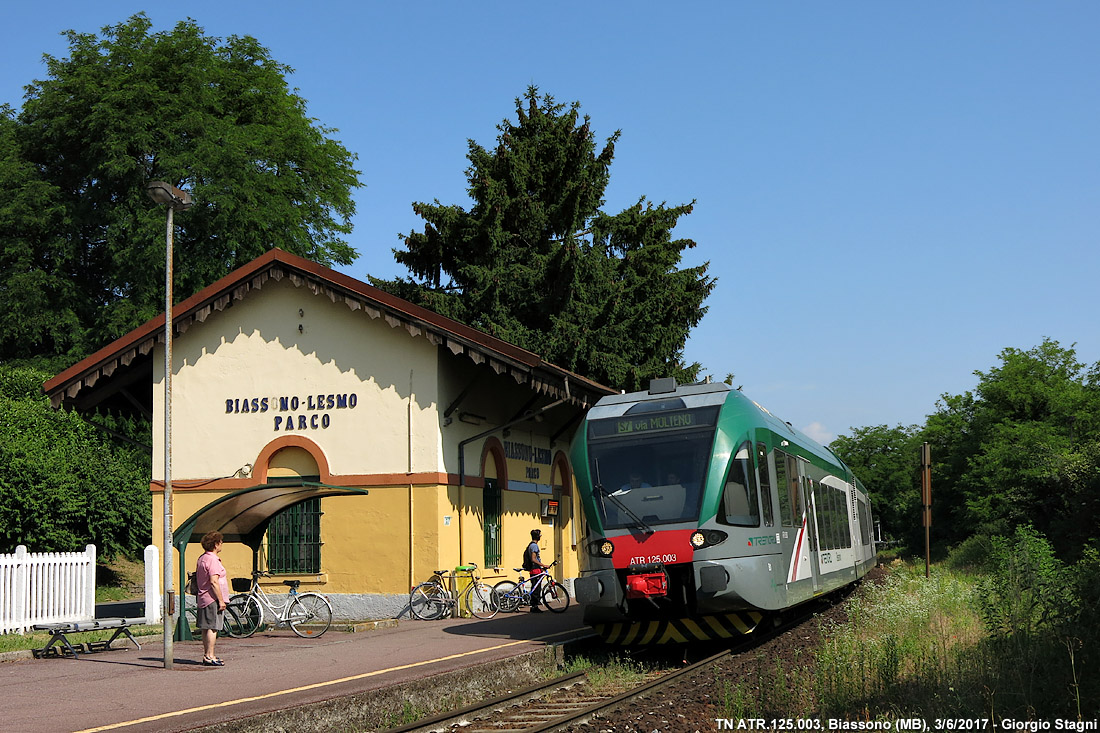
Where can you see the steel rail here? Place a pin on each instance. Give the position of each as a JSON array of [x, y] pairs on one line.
[[470, 712], [486, 716], [618, 700]]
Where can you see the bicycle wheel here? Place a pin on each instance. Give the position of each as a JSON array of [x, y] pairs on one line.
[[554, 596], [428, 601], [310, 615], [507, 596], [232, 624], [192, 618], [246, 616], [482, 600]]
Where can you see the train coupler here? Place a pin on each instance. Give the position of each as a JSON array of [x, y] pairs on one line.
[[647, 581]]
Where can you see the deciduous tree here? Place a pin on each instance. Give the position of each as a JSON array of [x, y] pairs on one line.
[[886, 461], [81, 243], [1021, 449]]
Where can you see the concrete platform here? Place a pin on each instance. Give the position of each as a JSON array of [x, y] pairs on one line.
[[367, 677]]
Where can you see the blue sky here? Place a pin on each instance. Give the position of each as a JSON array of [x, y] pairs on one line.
[[889, 193]]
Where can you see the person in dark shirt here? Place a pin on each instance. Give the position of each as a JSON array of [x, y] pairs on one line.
[[532, 563]]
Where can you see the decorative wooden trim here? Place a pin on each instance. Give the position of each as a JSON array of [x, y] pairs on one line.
[[365, 481]]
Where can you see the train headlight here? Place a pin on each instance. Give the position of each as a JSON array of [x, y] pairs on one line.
[[601, 548], [706, 538]]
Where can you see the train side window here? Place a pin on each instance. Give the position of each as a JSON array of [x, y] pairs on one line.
[[846, 536], [842, 531], [842, 524], [786, 514], [847, 519], [864, 523], [824, 525], [795, 489], [739, 502], [765, 484], [813, 529], [834, 524]]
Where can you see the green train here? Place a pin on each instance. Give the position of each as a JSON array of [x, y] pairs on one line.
[[704, 514]]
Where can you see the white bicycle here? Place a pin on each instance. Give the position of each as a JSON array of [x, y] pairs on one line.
[[307, 614]]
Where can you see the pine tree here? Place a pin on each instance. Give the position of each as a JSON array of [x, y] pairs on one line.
[[536, 262]]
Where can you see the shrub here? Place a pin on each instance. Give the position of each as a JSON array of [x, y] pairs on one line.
[[63, 485], [1028, 589]]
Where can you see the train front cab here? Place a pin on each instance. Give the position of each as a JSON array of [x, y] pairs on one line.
[[779, 530]]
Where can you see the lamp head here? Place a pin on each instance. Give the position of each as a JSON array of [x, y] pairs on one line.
[[166, 193]]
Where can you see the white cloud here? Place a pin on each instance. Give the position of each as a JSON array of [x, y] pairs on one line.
[[818, 432]]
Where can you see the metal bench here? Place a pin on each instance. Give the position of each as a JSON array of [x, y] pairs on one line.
[[60, 632]]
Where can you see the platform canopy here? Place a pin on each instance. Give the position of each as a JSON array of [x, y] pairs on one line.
[[243, 516]]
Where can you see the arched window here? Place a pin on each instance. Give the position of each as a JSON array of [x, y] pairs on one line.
[[294, 535]]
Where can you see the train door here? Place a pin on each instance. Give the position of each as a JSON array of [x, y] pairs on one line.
[[806, 485]]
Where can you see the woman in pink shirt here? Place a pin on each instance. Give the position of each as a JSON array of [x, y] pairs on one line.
[[212, 596]]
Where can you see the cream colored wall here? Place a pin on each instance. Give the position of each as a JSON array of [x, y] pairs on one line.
[[254, 351]]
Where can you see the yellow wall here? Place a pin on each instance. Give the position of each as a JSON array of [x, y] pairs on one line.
[[368, 544], [285, 342]]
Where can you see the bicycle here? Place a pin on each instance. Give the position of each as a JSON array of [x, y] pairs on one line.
[[307, 614], [510, 595], [433, 600], [232, 625]]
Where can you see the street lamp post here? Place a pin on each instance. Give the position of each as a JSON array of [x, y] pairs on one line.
[[177, 200]]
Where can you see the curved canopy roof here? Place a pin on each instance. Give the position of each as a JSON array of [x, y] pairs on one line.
[[243, 516]]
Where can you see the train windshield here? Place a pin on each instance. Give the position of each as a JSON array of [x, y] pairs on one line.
[[648, 467]]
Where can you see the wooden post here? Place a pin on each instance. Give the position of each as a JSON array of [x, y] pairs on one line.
[[926, 503]]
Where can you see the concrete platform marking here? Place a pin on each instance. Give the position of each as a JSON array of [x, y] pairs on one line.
[[316, 685]]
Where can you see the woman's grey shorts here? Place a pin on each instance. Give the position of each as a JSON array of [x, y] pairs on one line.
[[209, 617]]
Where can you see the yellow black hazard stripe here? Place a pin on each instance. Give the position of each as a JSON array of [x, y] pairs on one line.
[[681, 630]]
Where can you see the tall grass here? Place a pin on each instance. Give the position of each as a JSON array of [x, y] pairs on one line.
[[908, 649], [1002, 630]]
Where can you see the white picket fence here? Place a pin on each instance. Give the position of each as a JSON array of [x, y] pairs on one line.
[[59, 587]]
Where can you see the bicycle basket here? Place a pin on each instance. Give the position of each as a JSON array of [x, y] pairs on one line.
[[241, 585]]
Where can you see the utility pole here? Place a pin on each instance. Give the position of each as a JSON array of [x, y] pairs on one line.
[[926, 502]]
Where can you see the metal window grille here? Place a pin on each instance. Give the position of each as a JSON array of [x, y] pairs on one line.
[[294, 539], [492, 523]]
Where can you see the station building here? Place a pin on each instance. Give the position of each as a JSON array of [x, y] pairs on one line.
[[288, 374]]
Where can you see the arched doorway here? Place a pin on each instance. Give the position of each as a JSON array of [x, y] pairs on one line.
[[565, 534]]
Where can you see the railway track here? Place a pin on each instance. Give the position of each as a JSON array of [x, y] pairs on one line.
[[548, 706], [571, 700]]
